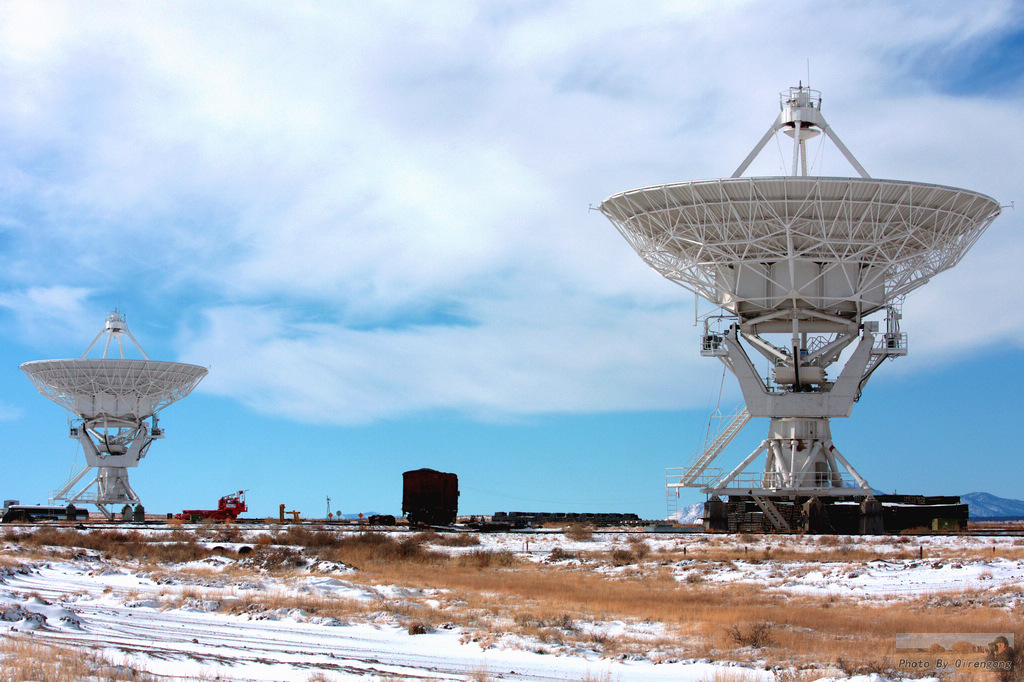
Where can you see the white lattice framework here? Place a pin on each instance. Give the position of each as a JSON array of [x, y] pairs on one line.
[[896, 235], [113, 388]]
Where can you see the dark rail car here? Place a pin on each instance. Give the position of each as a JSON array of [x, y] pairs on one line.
[[29, 513], [521, 519], [430, 497]]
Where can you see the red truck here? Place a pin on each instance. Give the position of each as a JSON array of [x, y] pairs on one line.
[[229, 507]]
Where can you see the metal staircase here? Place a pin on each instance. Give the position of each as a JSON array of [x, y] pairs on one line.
[[690, 476], [702, 459], [772, 512]]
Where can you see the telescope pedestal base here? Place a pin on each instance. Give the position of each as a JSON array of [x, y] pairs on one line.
[[800, 461], [109, 487], [800, 455], [838, 515]]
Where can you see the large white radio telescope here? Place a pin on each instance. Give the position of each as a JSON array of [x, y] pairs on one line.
[[115, 401], [795, 264]]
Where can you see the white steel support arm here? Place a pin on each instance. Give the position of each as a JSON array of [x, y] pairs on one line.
[[755, 392], [796, 146], [132, 495], [89, 348], [842, 460], [810, 459], [835, 478], [757, 149], [830, 350], [847, 386], [743, 465], [139, 347], [766, 349], [846, 152]]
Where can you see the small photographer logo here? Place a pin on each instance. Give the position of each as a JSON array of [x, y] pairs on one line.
[[954, 652]]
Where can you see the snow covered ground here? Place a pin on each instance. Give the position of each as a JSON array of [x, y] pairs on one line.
[[924, 573], [81, 606], [220, 625]]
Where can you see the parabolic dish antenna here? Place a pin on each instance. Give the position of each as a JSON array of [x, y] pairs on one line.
[[795, 264], [116, 401]]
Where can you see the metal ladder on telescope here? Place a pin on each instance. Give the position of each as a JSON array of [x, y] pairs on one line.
[[671, 501], [702, 459]]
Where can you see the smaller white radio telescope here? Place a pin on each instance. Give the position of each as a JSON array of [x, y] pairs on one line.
[[115, 402]]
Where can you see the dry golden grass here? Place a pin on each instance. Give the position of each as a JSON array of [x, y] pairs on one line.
[[24, 660], [448, 539], [479, 674], [313, 604], [493, 592], [111, 543], [826, 549], [804, 630], [163, 574], [7, 561], [731, 675]]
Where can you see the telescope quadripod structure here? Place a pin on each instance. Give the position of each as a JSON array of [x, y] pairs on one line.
[[795, 265], [115, 401]]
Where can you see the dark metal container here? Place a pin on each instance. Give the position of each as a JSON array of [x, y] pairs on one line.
[[430, 497]]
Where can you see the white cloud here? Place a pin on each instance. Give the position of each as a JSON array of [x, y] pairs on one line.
[[46, 316], [518, 358], [976, 311], [313, 183]]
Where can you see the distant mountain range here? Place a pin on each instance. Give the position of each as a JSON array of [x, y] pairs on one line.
[[985, 506], [691, 513], [980, 505]]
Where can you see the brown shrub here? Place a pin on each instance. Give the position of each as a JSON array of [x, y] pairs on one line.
[[579, 532], [559, 554], [418, 628], [639, 547], [873, 666], [454, 539], [487, 559], [362, 549], [755, 635], [309, 538], [274, 558]]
